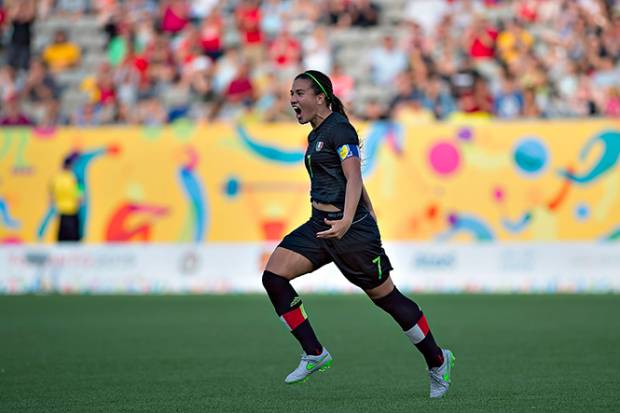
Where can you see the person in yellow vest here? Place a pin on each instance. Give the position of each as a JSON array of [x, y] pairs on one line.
[[67, 198], [62, 54]]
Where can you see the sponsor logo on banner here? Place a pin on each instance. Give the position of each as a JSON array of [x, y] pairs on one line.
[[521, 260], [434, 261], [190, 263]]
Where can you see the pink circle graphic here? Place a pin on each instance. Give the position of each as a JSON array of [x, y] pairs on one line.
[[498, 194], [444, 157]]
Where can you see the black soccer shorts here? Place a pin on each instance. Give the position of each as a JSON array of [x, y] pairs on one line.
[[359, 254]]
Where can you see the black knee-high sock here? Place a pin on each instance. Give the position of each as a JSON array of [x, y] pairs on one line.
[[413, 322], [289, 308]]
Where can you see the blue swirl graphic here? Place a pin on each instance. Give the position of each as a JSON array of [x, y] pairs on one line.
[[607, 161], [270, 153], [194, 192]]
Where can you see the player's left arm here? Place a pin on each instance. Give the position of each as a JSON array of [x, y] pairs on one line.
[[366, 199], [351, 167], [352, 171]]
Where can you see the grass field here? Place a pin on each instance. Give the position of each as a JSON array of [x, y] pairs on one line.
[[231, 354]]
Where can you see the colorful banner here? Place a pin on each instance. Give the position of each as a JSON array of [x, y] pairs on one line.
[[245, 182]]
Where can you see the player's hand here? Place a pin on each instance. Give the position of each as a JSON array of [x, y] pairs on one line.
[[337, 230]]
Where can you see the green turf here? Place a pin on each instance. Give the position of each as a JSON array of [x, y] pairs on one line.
[[231, 354]]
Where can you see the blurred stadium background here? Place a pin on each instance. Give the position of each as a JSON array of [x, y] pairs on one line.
[[491, 133]]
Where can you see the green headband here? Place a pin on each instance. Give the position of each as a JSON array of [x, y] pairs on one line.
[[320, 85]]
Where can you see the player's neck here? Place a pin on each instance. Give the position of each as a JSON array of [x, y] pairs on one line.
[[319, 118]]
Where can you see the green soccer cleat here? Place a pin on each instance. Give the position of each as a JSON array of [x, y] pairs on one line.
[[308, 365], [440, 376]]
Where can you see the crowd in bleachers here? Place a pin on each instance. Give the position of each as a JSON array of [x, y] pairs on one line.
[[210, 60]]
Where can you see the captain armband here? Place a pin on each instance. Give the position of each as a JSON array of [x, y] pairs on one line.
[[347, 151]]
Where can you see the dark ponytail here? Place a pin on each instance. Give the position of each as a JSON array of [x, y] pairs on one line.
[[337, 106], [322, 84]]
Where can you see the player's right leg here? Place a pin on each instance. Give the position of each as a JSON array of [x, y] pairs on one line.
[[298, 254]]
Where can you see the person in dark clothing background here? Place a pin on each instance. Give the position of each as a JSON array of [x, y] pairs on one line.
[[21, 16]]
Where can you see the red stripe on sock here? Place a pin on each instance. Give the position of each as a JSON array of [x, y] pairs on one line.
[[294, 318], [423, 325]]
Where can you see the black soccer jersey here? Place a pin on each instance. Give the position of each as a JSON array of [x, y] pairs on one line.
[[328, 183]]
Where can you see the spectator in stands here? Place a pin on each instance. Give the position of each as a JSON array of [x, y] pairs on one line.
[[375, 110], [530, 108], [144, 33], [21, 16], [73, 8], [514, 41], [317, 51], [161, 67], [303, 17], [186, 46], [9, 86], [274, 103], [274, 13], [3, 19], [119, 46], [212, 34], [52, 116], [428, 13], [338, 13], [200, 79], [285, 54], [201, 9], [364, 13], [584, 102], [151, 112], [109, 15], [62, 54], [105, 87], [343, 85], [241, 90], [12, 114], [437, 99], [509, 100], [481, 40], [175, 15], [386, 62], [239, 94], [482, 97], [40, 88], [249, 19], [405, 91], [565, 54], [408, 103], [611, 105]]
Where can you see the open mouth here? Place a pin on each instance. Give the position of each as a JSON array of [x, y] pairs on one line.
[[297, 110]]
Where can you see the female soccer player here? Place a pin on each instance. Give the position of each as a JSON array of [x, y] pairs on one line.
[[342, 229]]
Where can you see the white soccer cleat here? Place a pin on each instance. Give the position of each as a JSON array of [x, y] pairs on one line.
[[308, 365], [440, 376]]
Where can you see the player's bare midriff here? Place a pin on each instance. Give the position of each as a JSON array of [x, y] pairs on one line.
[[325, 207]]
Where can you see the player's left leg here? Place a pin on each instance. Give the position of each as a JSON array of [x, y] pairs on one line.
[[415, 326], [362, 259]]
